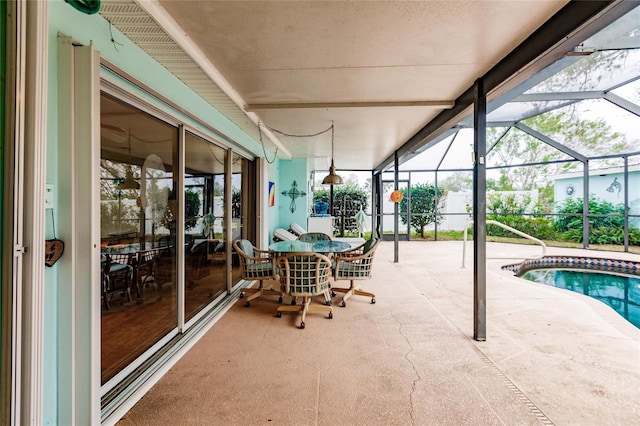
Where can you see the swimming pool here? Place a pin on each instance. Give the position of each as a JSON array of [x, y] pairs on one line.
[[620, 292], [614, 282]]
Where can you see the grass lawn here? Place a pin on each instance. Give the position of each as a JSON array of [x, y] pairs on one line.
[[458, 235]]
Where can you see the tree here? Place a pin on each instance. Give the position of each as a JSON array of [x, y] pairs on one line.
[[423, 206], [191, 205], [236, 203], [517, 147], [568, 125], [457, 182]]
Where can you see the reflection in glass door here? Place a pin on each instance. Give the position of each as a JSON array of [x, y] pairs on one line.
[[138, 230], [205, 252], [140, 207]]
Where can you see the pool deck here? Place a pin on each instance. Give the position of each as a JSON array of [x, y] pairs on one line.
[[551, 356]]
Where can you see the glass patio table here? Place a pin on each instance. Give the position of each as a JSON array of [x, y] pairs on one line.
[[329, 246]]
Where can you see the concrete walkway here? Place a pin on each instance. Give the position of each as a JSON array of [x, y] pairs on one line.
[[551, 356]]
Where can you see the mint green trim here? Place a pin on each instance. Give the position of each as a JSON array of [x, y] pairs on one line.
[[128, 57]]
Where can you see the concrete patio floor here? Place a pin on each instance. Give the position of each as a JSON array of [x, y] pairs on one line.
[[551, 356]]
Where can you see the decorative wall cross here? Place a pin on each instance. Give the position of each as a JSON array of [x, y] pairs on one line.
[[293, 193]]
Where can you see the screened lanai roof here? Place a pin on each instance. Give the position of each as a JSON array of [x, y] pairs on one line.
[[599, 82]]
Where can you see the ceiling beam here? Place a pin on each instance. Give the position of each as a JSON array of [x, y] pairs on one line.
[[325, 105], [559, 96], [574, 23], [633, 108]]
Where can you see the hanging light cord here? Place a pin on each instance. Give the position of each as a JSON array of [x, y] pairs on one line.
[[332, 141], [297, 136], [260, 124], [264, 150]]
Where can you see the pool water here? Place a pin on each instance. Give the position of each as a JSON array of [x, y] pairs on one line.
[[620, 292]]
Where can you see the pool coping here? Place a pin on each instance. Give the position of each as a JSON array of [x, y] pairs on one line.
[[629, 267]]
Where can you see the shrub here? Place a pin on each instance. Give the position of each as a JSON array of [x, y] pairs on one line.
[[606, 222], [347, 200], [538, 227]]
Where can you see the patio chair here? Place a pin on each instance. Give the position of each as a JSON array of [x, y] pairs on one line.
[[311, 237], [297, 229], [281, 234], [304, 274], [352, 265], [256, 265]]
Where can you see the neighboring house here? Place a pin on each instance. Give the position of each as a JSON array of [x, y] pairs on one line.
[[604, 185]]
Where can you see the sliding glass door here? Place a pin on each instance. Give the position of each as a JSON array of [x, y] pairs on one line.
[[138, 230], [147, 232], [205, 251]]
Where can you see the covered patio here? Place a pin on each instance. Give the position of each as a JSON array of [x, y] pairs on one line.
[[187, 125], [411, 357]]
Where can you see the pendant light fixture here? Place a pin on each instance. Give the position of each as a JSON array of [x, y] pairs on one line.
[[332, 178], [129, 182]]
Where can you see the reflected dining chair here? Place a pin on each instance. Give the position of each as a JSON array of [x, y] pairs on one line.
[[117, 276], [352, 265], [146, 268], [304, 274], [256, 265]]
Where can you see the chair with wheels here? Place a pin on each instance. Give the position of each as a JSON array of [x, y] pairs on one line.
[[355, 265], [311, 237], [256, 265], [304, 274]]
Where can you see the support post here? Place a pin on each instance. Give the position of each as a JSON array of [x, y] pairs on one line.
[[479, 212], [435, 209], [585, 204], [396, 211], [626, 204]]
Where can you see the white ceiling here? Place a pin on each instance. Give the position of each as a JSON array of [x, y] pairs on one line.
[[372, 67]]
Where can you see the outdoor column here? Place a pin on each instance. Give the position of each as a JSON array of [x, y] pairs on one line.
[[479, 212], [585, 204], [626, 204], [396, 208]]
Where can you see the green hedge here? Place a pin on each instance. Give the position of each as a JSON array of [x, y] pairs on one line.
[[606, 224], [538, 227]]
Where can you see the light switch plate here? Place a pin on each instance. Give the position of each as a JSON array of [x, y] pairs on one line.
[[48, 196]]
